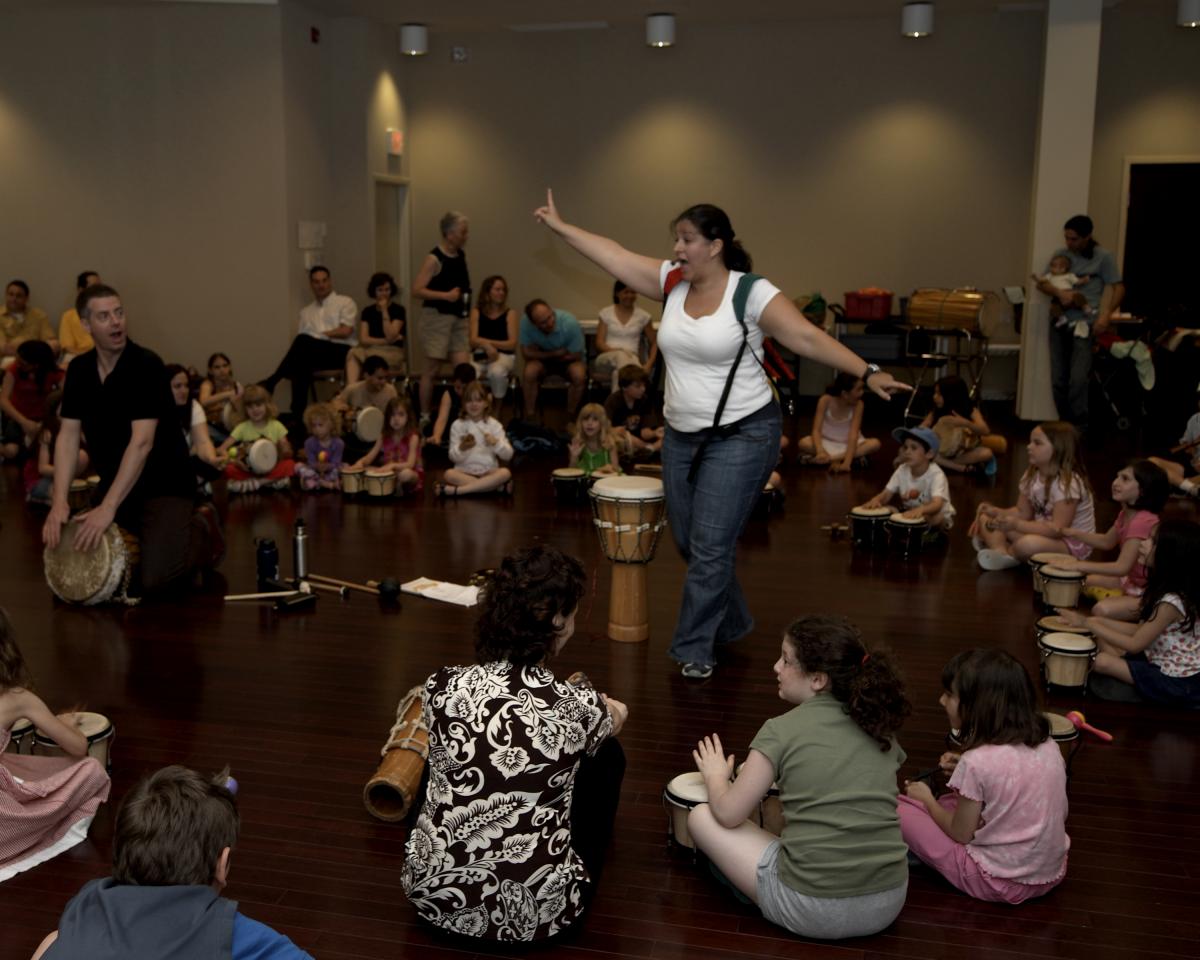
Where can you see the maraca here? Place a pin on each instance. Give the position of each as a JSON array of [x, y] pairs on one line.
[[322, 457], [1081, 723]]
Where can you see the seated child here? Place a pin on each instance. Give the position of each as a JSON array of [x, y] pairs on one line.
[[323, 450], [631, 413], [39, 469], [26, 387], [171, 850], [398, 447], [1188, 452], [374, 390], [1000, 834], [838, 867], [1141, 490], [257, 420], [1160, 655], [918, 481], [46, 803], [836, 437], [965, 444], [477, 445], [593, 448], [207, 465], [450, 404], [217, 391], [1060, 277], [1055, 496]]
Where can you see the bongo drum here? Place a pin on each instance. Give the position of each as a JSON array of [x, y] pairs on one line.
[[1036, 562], [1066, 735], [570, 485], [1056, 624], [20, 737], [679, 797], [368, 424], [262, 456], [353, 480], [97, 576], [906, 534], [380, 483], [628, 513], [79, 496], [1067, 659], [95, 726], [867, 528], [1060, 588]]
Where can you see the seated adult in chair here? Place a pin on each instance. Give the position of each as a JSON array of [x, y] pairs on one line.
[[326, 335], [380, 329], [20, 322], [551, 342]]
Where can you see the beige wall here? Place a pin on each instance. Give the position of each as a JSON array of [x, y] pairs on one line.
[[845, 154]]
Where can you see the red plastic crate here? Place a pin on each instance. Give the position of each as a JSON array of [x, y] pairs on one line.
[[868, 306]]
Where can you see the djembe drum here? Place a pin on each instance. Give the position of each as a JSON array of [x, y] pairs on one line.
[[629, 514], [97, 575]]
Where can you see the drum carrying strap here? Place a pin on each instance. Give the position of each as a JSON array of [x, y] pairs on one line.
[[740, 295]]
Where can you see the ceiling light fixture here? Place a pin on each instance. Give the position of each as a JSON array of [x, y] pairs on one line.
[[1188, 13], [660, 30], [916, 19], [414, 39]]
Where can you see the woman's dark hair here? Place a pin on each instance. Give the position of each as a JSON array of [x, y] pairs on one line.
[[13, 672], [997, 702], [1153, 486], [378, 280], [38, 355], [865, 681], [172, 827], [842, 383], [213, 358], [713, 224], [486, 287], [81, 281], [618, 286], [956, 396], [184, 410], [520, 603], [1175, 570]]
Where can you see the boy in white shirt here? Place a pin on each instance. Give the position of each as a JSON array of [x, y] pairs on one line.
[[918, 481]]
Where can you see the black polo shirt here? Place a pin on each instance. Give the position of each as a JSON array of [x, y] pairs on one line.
[[136, 389]]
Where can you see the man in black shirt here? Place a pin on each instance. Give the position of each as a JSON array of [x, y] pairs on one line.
[[119, 398]]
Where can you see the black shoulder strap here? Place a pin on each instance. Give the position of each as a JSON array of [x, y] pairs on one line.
[[740, 295]]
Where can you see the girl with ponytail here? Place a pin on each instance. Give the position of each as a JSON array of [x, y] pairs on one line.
[[839, 868]]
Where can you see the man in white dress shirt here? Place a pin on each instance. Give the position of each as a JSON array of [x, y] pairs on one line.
[[327, 332]]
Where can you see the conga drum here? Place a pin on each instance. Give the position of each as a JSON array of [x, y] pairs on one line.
[[1036, 562], [570, 485], [629, 515], [679, 797], [1060, 588], [262, 456], [368, 424], [1067, 659], [353, 480], [97, 575], [867, 528], [94, 726], [906, 534], [20, 737]]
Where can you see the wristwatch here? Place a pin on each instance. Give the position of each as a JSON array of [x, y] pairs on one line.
[[872, 368]]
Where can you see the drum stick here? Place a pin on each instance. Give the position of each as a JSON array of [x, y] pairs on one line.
[[1077, 718], [317, 578], [342, 592], [271, 595], [1185, 446]]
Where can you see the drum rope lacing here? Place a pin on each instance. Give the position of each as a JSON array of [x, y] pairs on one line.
[[403, 734], [630, 527]]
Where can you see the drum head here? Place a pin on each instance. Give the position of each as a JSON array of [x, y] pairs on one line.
[[1056, 624], [628, 488], [379, 474], [1044, 558], [1061, 575], [368, 424], [78, 485], [92, 725], [77, 577], [689, 788], [94, 480], [344, 470], [1060, 727], [21, 726], [263, 456], [1068, 643], [568, 473], [870, 511], [907, 521]]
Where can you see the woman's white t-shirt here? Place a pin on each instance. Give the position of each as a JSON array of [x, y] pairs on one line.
[[624, 336], [700, 350]]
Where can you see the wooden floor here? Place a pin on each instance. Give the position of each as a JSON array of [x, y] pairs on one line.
[[299, 706]]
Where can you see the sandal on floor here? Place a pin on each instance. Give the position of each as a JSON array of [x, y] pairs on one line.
[[441, 489], [505, 489]]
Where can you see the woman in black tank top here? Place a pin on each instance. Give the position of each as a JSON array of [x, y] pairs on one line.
[[493, 333]]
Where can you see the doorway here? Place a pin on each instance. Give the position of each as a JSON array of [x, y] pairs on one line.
[[1162, 204]]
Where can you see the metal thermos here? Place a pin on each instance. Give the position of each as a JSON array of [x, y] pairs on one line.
[[300, 550], [466, 303]]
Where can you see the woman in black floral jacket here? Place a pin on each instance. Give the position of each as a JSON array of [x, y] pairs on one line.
[[524, 769]]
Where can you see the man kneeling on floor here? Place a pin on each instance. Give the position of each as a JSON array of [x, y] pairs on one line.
[[173, 838]]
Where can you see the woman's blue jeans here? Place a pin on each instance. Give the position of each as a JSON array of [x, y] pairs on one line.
[[706, 518]]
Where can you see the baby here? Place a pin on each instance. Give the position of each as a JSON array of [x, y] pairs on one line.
[[1061, 278]]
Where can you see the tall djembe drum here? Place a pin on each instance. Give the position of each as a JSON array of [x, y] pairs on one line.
[[629, 514]]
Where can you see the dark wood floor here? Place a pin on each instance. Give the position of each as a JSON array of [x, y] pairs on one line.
[[299, 706]]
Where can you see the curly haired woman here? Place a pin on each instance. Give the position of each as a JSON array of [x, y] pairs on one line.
[[524, 769]]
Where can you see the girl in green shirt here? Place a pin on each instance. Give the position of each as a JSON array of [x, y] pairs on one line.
[[593, 447]]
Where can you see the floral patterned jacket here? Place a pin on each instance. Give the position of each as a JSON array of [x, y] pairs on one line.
[[490, 855]]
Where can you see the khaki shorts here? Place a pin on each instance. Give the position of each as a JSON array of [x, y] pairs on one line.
[[395, 356], [442, 334]]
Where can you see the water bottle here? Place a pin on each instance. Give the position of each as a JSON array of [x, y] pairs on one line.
[[267, 560], [300, 550], [466, 304]]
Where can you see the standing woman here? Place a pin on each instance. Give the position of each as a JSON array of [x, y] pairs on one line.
[[444, 286], [723, 424], [493, 333]]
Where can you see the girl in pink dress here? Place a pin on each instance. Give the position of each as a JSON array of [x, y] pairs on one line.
[[1000, 833], [46, 803], [398, 447]]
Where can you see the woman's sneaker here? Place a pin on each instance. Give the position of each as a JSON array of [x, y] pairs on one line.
[[697, 671]]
